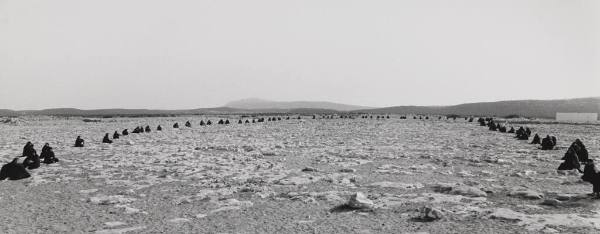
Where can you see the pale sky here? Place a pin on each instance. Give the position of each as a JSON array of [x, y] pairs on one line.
[[190, 54]]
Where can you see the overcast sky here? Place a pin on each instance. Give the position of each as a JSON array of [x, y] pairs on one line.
[[188, 54]]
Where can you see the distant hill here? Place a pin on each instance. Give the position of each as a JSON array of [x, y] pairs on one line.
[[527, 108], [256, 103]]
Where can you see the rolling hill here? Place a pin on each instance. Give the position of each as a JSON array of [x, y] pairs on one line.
[[525, 108]]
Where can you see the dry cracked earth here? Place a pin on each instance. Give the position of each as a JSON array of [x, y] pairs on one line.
[[295, 176]]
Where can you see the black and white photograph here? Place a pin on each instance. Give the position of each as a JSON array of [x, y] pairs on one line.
[[299, 116]]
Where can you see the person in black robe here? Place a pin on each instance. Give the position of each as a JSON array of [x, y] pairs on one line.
[[247, 121], [580, 149], [536, 139], [502, 129], [240, 121], [512, 130], [208, 122], [527, 131], [571, 161], [148, 129], [220, 121], [79, 142], [159, 128], [14, 171], [48, 154], [106, 139], [269, 119], [28, 150], [188, 124], [202, 123], [116, 135], [125, 132], [547, 143], [176, 125], [226, 121], [592, 175], [32, 159], [253, 121], [492, 126]]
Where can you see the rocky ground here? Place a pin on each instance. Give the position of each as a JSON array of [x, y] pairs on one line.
[[295, 176]]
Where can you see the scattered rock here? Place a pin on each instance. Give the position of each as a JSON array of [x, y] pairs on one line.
[[348, 170], [360, 201], [428, 213], [551, 202], [525, 193], [309, 169], [388, 184]]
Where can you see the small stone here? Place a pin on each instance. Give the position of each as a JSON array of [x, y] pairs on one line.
[[348, 170], [114, 224], [551, 202], [309, 169], [360, 201], [430, 214]]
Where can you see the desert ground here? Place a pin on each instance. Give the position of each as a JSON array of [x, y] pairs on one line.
[[295, 176]]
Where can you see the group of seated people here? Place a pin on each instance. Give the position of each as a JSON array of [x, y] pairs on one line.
[[29, 160]]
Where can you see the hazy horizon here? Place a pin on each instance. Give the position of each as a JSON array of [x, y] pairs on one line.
[[194, 54]]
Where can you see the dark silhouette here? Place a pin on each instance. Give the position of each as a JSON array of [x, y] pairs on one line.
[[159, 128], [116, 135], [548, 142], [32, 159], [48, 154], [208, 122], [148, 128], [176, 125], [591, 174], [536, 139], [106, 140], [79, 142], [188, 124], [578, 147], [571, 161], [202, 123], [28, 150], [125, 132], [13, 171]]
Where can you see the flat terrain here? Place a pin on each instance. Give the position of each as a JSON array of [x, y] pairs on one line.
[[249, 178]]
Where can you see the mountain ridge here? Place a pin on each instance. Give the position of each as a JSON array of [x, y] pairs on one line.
[[525, 108]]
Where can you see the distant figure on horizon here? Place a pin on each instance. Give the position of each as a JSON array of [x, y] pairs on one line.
[[208, 122], [125, 132], [106, 139], [159, 128], [14, 171], [79, 142], [176, 125], [188, 124], [116, 135], [148, 129]]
